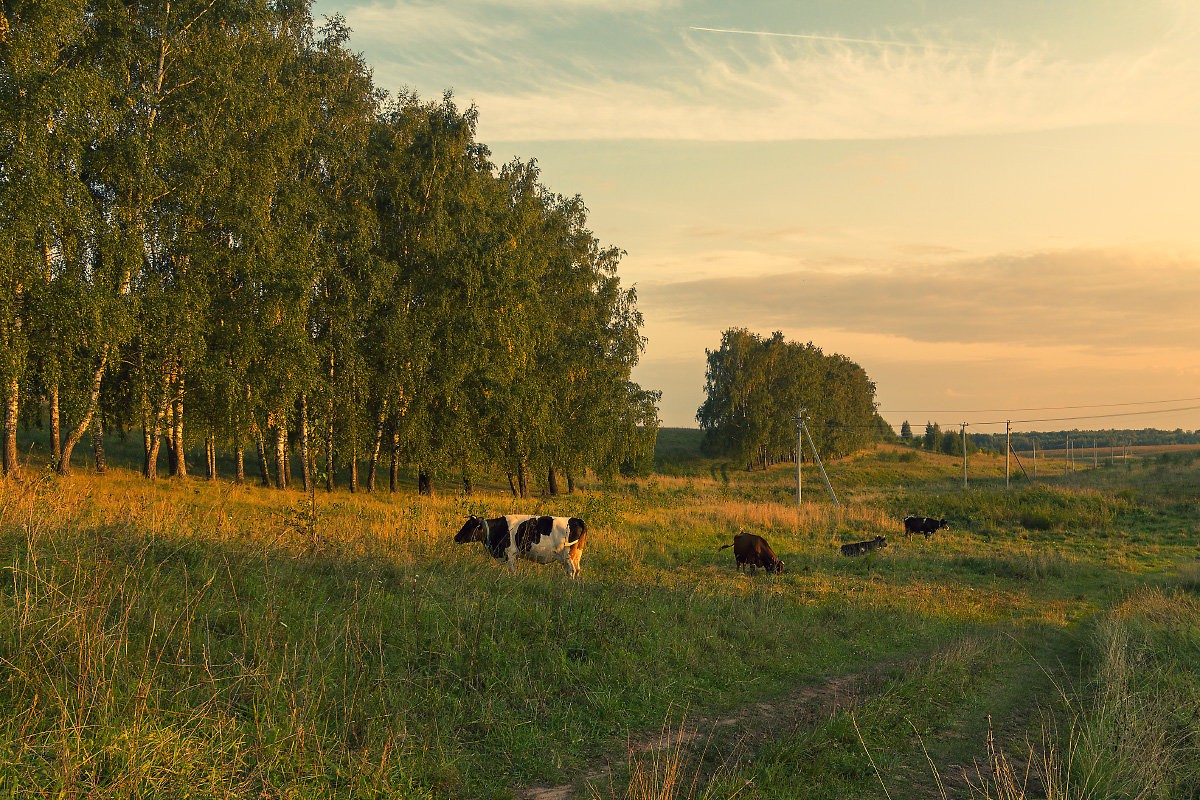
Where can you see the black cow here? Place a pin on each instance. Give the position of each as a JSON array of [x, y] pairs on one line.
[[859, 548], [925, 525], [753, 550]]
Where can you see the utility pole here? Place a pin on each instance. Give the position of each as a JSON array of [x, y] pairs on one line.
[[799, 458], [964, 447], [1007, 449], [1035, 456], [817, 458], [1095, 456]]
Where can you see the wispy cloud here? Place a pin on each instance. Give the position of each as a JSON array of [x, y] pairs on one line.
[[626, 69], [842, 93], [817, 37]]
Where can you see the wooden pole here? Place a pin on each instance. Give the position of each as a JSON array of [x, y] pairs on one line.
[[799, 458], [1007, 450], [820, 466], [964, 447]]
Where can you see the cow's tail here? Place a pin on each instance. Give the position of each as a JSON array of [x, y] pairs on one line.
[[576, 531], [722, 547]]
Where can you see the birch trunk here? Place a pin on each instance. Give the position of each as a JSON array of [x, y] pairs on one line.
[[145, 441], [424, 483], [552, 481], [239, 476], [210, 452], [329, 451], [172, 453], [353, 467], [262, 459], [375, 447], [55, 426], [281, 463], [155, 437], [522, 478], [395, 461], [512, 485], [76, 433], [98, 445], [12, 399], [304, 454], [468, 487], [180, 466], [570, 483]]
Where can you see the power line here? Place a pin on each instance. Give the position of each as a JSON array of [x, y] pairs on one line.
[[1035, 408], [839, 426], [1090, 416]]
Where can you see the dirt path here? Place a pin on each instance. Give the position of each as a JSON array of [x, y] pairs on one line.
[[748, 728]]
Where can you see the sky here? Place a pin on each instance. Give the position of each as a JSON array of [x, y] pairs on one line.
[[994, 208]]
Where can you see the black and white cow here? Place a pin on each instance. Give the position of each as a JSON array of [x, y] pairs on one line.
[[539, 539], [925, 525]]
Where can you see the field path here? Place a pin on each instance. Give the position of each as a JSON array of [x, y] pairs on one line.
[[749, 727]]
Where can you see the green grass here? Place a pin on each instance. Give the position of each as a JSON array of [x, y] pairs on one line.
[[200, 639]]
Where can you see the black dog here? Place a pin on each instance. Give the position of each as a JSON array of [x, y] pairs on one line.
[[858, 548], [925, 525]]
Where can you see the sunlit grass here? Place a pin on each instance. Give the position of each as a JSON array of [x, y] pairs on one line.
[[200, 638]]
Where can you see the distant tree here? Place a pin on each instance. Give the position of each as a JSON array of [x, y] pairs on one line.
[[933, 437], [906, 431], [885, 431], [755, 387]]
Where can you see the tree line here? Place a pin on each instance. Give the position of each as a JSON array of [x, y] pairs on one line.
[[950, 441], [209, 212], [755, 387]]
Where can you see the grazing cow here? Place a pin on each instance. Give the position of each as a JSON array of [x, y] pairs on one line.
[[539, 539], [753, 550], [858, 548], [925, 525]]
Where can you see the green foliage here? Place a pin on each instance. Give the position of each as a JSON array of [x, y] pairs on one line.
[[756, 387], [212, 212]]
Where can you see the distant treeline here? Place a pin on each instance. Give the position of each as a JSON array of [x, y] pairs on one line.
[[211, 214], [950, 441], [756, 387]]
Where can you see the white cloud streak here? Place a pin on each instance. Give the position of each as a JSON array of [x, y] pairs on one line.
[[839, 91], [709, 84], [816, 37]]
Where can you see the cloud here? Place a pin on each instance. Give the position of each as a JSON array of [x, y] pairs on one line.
[[823, 90], [626, 69], [1109, 300]]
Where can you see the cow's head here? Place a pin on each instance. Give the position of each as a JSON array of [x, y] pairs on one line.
[[778, 570], [880, 541], [475, 530], [941, 523]]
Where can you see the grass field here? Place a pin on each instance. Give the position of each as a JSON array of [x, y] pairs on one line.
[[197, 639]]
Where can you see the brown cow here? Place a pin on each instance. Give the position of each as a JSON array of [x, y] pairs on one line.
[[753, 550]]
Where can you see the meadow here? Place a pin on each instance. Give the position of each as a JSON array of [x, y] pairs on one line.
[[200, 639]]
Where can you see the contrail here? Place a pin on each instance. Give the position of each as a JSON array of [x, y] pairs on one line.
[[817, 37]]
